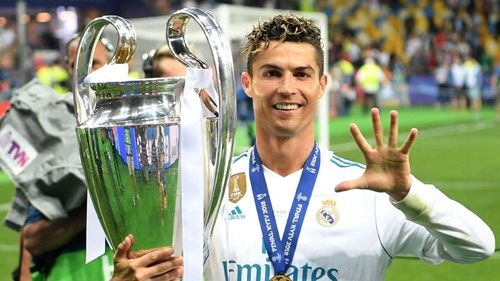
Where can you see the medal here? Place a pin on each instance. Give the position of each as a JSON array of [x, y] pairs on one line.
[[281, 250], [280, 277]]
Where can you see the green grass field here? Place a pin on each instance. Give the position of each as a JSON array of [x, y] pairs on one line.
[[455, 151]]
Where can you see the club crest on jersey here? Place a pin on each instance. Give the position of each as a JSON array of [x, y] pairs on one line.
[[237, 187], [328, 214]]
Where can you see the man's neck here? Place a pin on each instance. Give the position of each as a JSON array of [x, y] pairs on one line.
[[284, 156]]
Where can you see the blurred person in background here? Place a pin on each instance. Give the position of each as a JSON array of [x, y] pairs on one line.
[[473, 85], [162, 63], [386, 93], [7, 75], [457, 78], [7, 80], [244, 112], [343, 70], [495, 86], [399, 77], [49, 207], [370, 78], [442, 77], [334, 94], [54, 75]]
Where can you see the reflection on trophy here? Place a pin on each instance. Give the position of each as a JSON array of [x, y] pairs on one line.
[[129, 135]]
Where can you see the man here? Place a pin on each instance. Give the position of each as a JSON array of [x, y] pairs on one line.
[[370, 78], [162, 63], [495, 85], [295, 211], [458, 75], [286, 80], [52, 238], [473, 84], [342, 71]]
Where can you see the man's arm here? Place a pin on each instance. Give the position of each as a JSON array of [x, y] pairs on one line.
[[458, 234], [45, 235], [449, 230], [24, 262], [429, 225]]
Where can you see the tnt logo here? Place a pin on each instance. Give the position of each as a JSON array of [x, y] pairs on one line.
[[15, 152]]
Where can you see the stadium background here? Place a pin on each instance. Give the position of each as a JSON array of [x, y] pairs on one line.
[[457, 150]]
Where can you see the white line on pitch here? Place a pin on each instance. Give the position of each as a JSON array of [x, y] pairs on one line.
[[427, 133], [9, 248], [4, 207], [470, 185]]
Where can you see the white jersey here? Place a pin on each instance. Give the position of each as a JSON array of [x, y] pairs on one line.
[[348, 236]]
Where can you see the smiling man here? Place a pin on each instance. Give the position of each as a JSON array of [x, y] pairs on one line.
[[295, 211]]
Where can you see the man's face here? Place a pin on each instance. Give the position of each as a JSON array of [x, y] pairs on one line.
[[285, 88], [99, 60], [171, 67]]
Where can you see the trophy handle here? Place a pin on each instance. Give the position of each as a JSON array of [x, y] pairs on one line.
[[225, 86], [84, 97]]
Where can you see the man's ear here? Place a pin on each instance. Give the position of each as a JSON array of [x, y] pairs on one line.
[[323, 81], [246, 83]]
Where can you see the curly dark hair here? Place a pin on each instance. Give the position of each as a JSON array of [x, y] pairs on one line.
[[283, 28]]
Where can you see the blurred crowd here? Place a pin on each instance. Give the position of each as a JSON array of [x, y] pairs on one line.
[[453, 41]]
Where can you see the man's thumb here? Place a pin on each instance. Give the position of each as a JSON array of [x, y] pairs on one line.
[[123, 248], [348, 185]]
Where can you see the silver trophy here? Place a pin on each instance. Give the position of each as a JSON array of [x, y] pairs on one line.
[[128, 134]]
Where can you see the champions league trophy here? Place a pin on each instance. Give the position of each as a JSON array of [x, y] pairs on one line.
[[129, 135]]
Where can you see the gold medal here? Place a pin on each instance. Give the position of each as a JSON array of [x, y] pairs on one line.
[[280, 277]]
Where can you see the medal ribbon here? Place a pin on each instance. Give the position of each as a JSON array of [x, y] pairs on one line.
[[281, 251]]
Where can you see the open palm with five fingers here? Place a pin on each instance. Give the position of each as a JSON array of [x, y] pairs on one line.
[[387, 165]]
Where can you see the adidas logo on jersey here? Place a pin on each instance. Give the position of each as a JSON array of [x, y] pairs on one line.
[[235, 214]]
